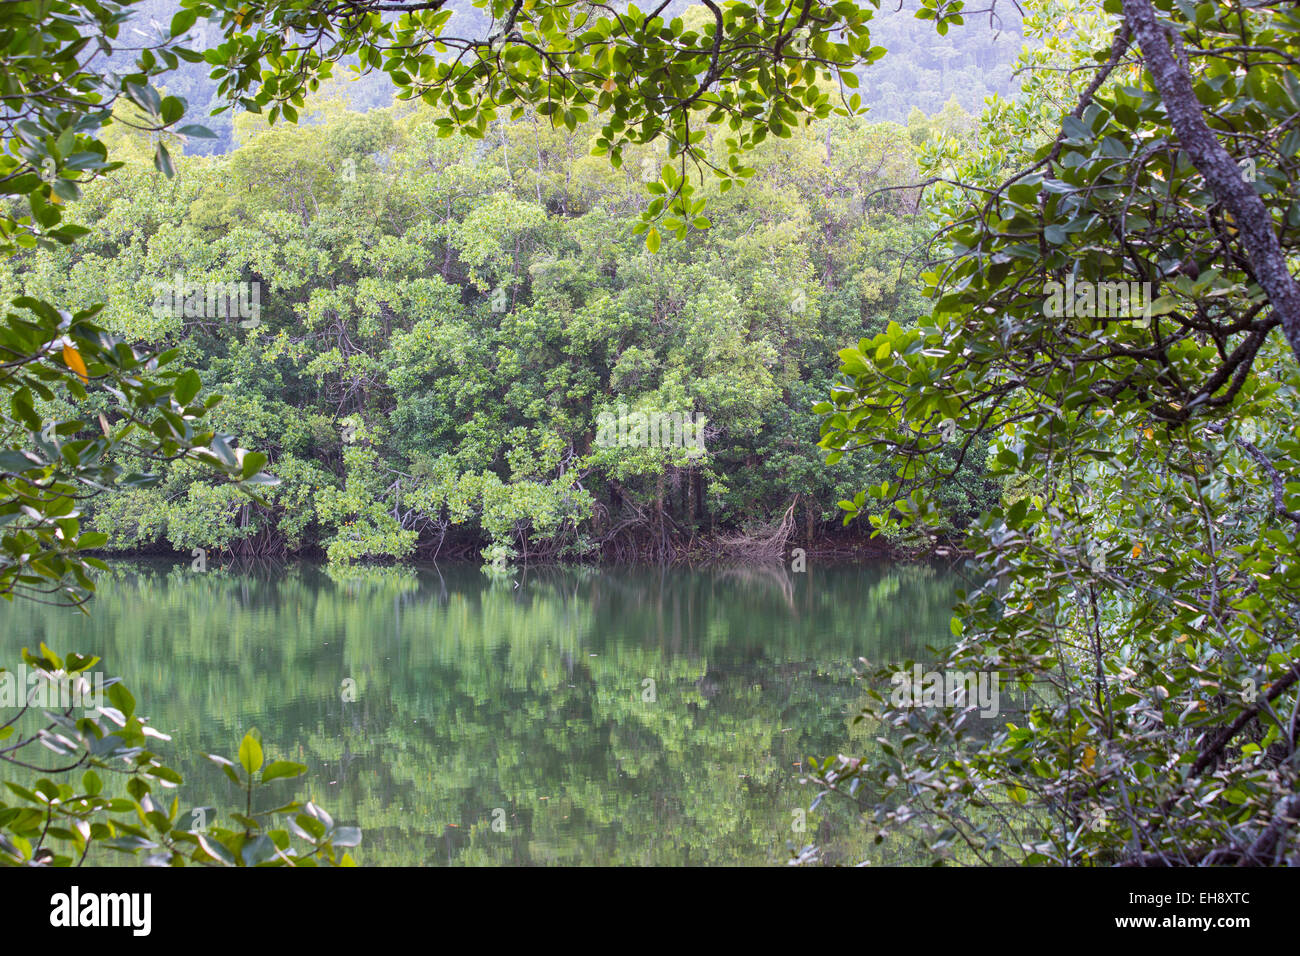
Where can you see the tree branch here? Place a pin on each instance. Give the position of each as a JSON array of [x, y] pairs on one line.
[[1174, 84]]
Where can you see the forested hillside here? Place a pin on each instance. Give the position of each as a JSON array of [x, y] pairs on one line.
[[441, 324]]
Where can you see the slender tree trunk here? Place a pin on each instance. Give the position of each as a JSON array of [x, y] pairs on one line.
[[1174, 84], [505, 150]]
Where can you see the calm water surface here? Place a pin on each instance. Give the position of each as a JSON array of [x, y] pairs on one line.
[[598, 716]]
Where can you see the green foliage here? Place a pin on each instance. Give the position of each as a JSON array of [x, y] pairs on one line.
[[63, 812], [433, 375], [635, 87], [1136, 589], [58, 99], [75, 399], [759, 70], [78, 399]]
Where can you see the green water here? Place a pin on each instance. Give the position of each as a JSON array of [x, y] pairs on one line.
[[526, 701]]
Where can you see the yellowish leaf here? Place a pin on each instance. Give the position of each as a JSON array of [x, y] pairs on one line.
[[72, 359]]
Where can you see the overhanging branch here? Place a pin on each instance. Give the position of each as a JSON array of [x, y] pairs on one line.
[[1222, 174]]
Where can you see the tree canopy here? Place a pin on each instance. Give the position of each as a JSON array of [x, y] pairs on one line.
[[1137, 583], [1134, 580]]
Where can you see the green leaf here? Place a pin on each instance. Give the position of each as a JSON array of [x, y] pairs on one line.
[[121, 698], [187, 386], [182, 22], [162, 161], [252, 464], [282, 768], [227, 766], [250, 754], [173, 108]]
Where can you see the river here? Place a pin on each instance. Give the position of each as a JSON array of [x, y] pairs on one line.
[[551, 716]]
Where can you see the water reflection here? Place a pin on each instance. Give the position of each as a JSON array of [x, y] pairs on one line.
[[647, 716]]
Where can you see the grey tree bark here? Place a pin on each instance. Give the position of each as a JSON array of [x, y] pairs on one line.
[[1174, 84]]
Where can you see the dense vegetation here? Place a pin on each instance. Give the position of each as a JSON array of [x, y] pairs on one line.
[[442, 325], [1139, 580], [682, 215]]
